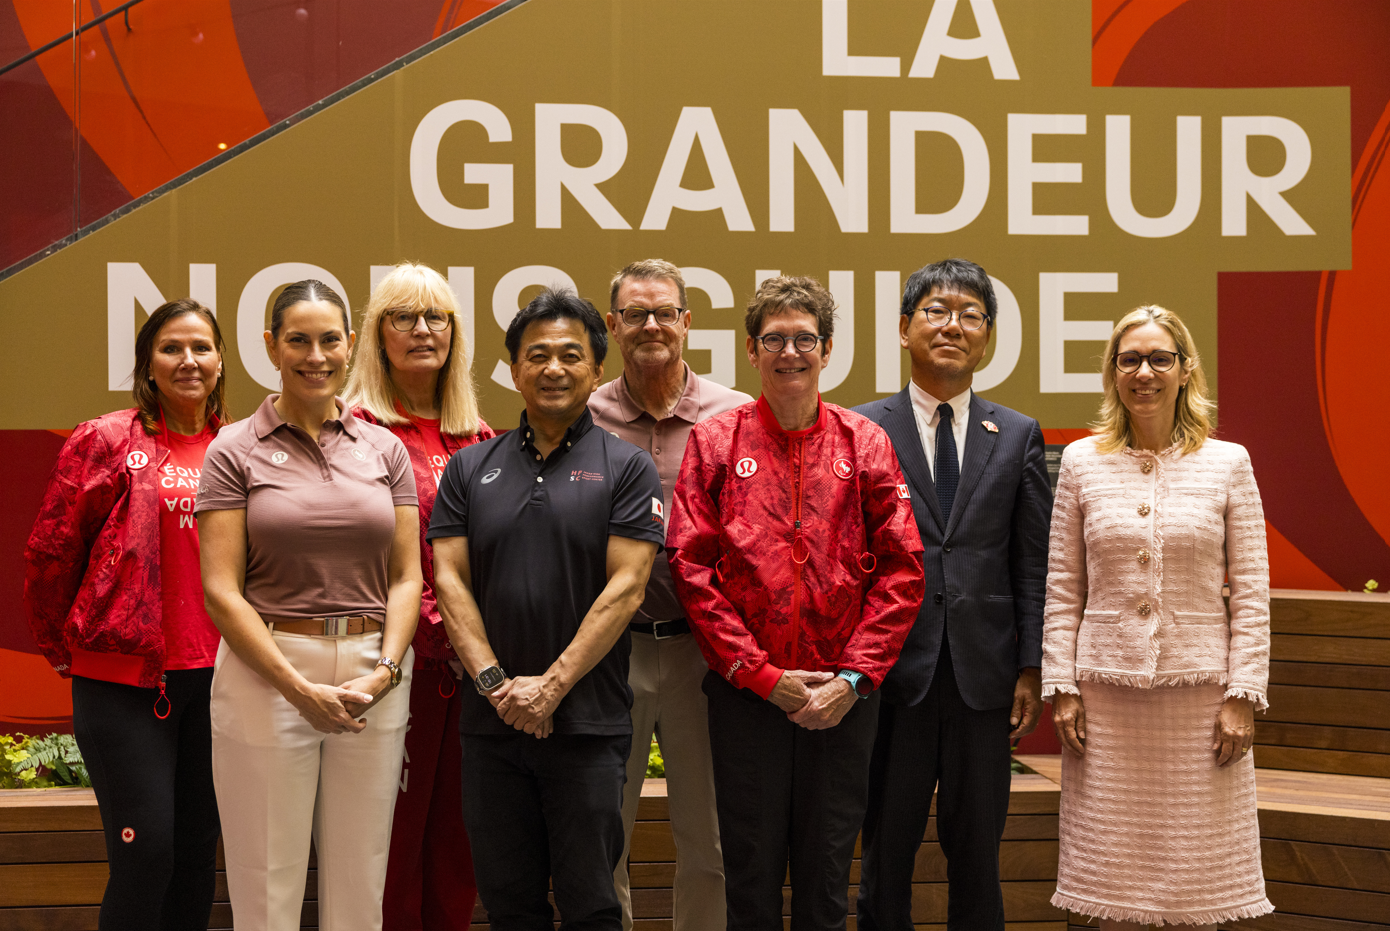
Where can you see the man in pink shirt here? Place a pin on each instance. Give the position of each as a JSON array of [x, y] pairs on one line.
[[653, 405]]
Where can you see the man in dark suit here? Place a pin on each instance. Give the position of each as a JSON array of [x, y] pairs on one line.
[[967, 680]]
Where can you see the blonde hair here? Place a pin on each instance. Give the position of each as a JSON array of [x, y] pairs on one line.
[[417, 287], [1192, 423]]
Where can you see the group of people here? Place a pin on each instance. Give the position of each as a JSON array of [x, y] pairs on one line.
[[825, 616]]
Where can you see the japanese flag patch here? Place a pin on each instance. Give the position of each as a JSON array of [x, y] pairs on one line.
[[657, 511]]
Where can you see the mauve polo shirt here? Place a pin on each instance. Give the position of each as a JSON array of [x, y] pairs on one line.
[[538, 532], [614, 410], [320, 516]]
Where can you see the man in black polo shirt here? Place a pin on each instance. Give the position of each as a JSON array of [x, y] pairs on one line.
[[543, 541]]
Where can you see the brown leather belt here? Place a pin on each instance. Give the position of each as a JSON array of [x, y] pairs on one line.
[[325, 626]]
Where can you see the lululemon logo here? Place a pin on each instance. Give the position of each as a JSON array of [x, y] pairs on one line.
[[745, 467], [279, 458], [358, 455], [491, 475], [137, 460], [843, 468], [127, 834]]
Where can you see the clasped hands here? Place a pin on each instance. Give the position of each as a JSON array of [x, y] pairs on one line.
[[338, 709], [528, 704], [814, 700]]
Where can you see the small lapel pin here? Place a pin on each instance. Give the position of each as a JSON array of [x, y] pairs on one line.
[[989, 425]]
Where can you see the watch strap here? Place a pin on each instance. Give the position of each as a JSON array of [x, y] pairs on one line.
[[854, 679]]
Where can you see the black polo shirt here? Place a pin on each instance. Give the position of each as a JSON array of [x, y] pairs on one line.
[[538, 552]]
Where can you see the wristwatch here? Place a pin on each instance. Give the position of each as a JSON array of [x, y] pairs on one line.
[[855, 679], [489, 680], [394, 668]]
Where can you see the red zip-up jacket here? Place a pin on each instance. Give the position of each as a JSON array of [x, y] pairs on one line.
[[92, 579], [794, 550], [431, 640]]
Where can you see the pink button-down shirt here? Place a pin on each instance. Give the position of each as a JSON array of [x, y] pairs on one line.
[[614, 410]]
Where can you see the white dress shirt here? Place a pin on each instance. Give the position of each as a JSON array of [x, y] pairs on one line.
[[924, 409]]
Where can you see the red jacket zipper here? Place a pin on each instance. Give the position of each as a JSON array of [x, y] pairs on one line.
[[797, 548]]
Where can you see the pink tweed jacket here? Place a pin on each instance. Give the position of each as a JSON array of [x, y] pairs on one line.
[[1141, 543]]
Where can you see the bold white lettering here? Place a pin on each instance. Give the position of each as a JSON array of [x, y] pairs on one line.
[[127, 284], [202, 285], [888, 351], [1118, 186], [1024, 173], [697, 123], [902, 172], [505, 297], [835, 59], [1055, 331], [553, 172], [251, 318], [1008, 340], [842, 359], [424, 167], [722, 344], [186, 520], [763, 274], [787, 131], [461, 283], [1237, 180], [990, 43]]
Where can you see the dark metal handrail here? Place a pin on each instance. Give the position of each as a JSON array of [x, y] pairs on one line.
[[123, 8]]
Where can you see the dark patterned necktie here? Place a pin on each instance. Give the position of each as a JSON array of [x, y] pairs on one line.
[[947, 462]]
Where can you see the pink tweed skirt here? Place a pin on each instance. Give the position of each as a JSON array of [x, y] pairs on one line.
[[1151, 829]]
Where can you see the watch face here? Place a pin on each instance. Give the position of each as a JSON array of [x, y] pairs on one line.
[[490, 678]]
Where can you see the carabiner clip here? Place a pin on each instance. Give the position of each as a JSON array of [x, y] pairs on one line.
[[168, 705], [873, 563], [448, 678]]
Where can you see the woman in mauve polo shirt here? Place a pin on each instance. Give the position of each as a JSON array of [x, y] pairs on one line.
[[411, 376], [311, 570], [115, 601]]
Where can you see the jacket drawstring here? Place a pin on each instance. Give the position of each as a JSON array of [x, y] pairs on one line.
[[168, 705]]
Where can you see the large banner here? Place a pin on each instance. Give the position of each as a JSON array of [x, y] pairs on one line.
[[853, 142]]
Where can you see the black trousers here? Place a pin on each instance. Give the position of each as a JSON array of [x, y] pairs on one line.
[[153, 782], [545, 814], [943, 744], [787, 797]]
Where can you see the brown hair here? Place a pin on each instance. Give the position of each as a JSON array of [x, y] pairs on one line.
[[647, 270], [776, 295], [310, 289], [1192, 420], [143, 388], [417, 287]]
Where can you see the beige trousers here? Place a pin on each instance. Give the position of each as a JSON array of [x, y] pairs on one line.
[[665, 677], [279, 781]]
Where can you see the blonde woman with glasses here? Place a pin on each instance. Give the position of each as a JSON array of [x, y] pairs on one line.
[[1154, 680], [412, 377]]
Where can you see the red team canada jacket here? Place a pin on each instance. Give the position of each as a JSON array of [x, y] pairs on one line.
[[431, 640], [92, 583], [794, 550]]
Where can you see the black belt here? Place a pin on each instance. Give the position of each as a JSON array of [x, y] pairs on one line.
[[663, 630]]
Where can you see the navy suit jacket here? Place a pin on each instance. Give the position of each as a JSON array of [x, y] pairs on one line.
[[986, 570]]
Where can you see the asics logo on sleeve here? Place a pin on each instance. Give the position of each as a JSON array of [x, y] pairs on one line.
[[491, 475]]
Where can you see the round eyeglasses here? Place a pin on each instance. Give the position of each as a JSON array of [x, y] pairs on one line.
[[637, 316], [776, 342], [404, 320], [1160, 360], [940, 316]]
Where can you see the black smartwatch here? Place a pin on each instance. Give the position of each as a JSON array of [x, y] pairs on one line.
[[855, 680], [489, 680]]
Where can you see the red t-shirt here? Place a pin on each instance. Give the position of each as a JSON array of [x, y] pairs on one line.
[[190, 639], [433, 445]]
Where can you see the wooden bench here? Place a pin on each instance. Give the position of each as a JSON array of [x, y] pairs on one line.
[[1329, 684]]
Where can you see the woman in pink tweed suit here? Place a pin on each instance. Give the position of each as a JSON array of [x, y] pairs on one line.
[[1154, 681]]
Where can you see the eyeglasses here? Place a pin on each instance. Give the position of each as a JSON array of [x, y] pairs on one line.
[[404, 320], [776, 342], [1160, 360], [637, 316], [940, 316]]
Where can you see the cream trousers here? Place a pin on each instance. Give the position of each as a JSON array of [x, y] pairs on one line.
[[279, 781]]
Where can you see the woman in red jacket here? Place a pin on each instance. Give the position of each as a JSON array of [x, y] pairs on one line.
[[412, 377], [799, 565], [115, 601]]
